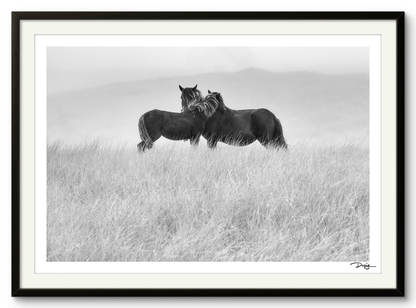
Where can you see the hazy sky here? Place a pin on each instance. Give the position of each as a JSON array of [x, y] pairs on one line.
[[80, 67]]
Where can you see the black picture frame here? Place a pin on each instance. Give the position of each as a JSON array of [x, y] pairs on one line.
[[18, 17]]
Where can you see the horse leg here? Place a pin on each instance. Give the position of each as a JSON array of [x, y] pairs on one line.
[[275, 142], [269, 142], [212, 143], [264, 134], [194, 140], [266, 138]]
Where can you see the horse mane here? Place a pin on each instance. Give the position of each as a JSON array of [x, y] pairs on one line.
[[221, 106], [208, 106], [198, 94]]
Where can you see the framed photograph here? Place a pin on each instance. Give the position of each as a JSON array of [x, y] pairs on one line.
[[208, 154]]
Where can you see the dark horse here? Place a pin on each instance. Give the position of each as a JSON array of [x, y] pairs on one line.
[[242, 127], [188, 124]]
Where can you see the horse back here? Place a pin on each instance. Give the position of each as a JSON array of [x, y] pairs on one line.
[[262, 113], [262, 120]]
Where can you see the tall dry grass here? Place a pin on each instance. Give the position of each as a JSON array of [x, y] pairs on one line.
[[177, 203]]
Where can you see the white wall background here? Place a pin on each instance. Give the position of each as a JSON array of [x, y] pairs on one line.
[[408, 6]]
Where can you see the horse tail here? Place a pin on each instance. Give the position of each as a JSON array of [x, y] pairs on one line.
[[278, 137], [144, 135]]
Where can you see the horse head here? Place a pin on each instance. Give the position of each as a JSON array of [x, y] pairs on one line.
[[221, 106], [190, 96]]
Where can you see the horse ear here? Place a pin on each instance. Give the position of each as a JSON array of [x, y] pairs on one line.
[[194, 88], [180, 88], [209, 92]]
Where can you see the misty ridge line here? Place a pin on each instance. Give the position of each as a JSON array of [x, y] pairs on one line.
[[58, 81]]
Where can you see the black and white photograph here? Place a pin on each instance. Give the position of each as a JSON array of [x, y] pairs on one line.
[[208, 154]]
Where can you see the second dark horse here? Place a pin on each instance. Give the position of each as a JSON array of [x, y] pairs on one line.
[[242, 127]]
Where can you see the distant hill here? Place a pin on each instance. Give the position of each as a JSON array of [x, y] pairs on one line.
[[311, 106]]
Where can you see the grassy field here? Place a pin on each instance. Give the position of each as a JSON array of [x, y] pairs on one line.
[[177, 203]]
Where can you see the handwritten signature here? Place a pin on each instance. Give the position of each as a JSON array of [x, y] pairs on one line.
[[366, 266]]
